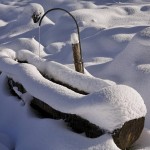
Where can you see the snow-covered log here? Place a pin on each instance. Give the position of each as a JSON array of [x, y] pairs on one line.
[[129, 133], [112, 109], [123, 137], [63, 74]]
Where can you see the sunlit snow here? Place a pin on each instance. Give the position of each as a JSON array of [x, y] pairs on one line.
[[115, 44]]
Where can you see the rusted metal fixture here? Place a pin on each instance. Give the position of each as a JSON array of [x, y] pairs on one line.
[[77, 52]]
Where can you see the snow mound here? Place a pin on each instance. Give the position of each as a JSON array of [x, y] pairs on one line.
[[54, 47], [64, 74], [23, 23], [115, 105], [25, 43], [29, 11]]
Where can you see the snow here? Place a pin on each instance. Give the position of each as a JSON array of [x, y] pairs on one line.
[[137, 66], [74, 38], [67, 101], [114, 100], [115, 37], [66, 75]]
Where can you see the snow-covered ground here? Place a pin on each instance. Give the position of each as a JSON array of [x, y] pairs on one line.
[[115, 41]]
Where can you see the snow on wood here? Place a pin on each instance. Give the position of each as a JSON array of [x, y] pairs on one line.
[[124, 136], [74, 38], [64, 74], [112, 102], [108, 29]]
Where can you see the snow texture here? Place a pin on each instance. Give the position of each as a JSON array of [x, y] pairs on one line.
[[115, 37], [74, 38], [112, 102]]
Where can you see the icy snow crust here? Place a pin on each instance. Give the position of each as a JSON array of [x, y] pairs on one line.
[[115, 44]]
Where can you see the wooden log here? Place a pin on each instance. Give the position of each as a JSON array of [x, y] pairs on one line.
[[45, 110], [129, 133], [123, 137], [75, 122]]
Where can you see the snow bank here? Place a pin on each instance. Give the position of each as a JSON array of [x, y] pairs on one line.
[[116, 105]]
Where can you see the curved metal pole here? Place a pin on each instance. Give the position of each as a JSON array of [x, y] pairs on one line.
[[74, 21]]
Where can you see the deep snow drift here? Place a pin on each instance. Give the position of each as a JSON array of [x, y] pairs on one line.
[[115, 38]]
